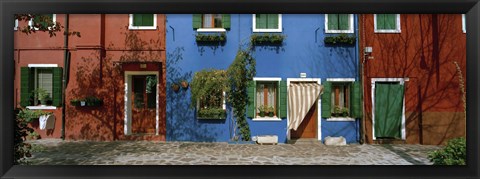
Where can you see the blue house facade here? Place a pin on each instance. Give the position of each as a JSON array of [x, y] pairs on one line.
[[314, 49]]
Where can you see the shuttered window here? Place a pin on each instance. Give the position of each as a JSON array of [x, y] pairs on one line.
[[143, 21], [47, 78], [387, 23], [341, 100], [267, 23], [209, 21], [339, 23], [267, 94]]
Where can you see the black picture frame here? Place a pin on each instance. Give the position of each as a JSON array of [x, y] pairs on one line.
[[8, 8]]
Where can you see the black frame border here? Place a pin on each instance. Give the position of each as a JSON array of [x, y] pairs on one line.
[[10, 7]]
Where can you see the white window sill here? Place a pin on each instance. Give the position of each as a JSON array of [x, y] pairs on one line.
[[388, 31], [211, 30], [340, 119], [339, 31], [142, 28], [267, 30], [41, 107], [258, 118]]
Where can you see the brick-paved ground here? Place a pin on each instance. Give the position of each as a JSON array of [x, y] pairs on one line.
[[58, 152]]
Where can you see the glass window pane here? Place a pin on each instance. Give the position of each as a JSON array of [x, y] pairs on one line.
[[207, 21]]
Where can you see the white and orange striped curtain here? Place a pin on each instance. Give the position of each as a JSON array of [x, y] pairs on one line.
[[301, 97]]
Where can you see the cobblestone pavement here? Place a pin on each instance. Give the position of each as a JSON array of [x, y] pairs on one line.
[[58, 152]]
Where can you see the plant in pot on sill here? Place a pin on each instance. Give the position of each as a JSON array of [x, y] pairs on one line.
[[337, 111], [261, 110], [42, 96], [270, 111], [344, 112]]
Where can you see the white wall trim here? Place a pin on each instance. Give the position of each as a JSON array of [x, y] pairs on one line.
[[397, 30], [131, 27], [128, 106], [211, 30], [350, 28], [266, 79], [341, 119], [402, 82], [266, 119], [42, 65], [319, 105], [54, 20], [464, 25], [41, 107], [254, 25]]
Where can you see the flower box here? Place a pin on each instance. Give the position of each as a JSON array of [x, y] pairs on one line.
[[211, 113], [267, 39]]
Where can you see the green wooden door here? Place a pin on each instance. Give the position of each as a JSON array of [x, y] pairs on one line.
[[388, 110]]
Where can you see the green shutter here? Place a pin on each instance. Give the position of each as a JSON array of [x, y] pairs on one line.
[[261, 21], [326, 99], [226, 21], [380, 21], [332, 21], [197, 21], [390, 21], [137, 20], [147, 19], [57, 86], [251, 99], [272, 21], [282, 109], [344, 21], [356, 100], [25, 86]]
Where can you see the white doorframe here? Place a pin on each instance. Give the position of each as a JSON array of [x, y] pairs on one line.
[[402, 82], [319, 119], [128, 106]]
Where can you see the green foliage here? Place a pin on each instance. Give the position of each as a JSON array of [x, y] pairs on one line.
[[258, 39], [341, 39], [42, 95], [455, 153], [151, 83], [28, 115], [212, 113], [21, 149], [208, 85], [240, 72], [43, 23], [89, 101], [217, 37], [33, 135]]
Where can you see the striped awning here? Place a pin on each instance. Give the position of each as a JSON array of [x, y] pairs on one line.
[[301, 97]]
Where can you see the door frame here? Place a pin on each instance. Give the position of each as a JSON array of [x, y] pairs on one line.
[[319, 104], [127, 127], [402, 82]]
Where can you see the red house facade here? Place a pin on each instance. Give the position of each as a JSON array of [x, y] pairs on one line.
[[119, 60], [412, 90]]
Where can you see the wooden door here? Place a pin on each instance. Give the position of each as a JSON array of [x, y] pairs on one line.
[[308, 127], [143, 106]]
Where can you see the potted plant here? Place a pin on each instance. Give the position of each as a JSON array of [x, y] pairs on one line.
[[175, 87], [262, 111], [345, 112], [42, 95], [271, 111], [337, 111], [184, 84], [75, 102]]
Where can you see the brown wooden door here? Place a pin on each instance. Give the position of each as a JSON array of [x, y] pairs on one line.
[[143, 106], [308, 127]]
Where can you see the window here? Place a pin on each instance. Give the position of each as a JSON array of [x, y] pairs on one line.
[[42, 20], [267, 23], [387, 23], [145, 91], [16, 24], [211, 22], [338, 23], [267, 99], [341, 99], [212, 106], [38, 81], [464, 26], [142, 21]]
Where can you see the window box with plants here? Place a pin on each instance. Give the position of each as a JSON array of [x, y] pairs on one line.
[[207, 89], [267, 39], [211, 37], [88, 101], [341, 39]]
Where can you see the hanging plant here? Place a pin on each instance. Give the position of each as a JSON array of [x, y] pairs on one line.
[[341, 39], [259, 39], [184, 84], [151, 83], [175, 87]]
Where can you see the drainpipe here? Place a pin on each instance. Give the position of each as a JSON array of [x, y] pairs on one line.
[[362, 79], [66, 65]]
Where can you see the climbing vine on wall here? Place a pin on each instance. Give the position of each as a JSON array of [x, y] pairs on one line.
[[239, 73]]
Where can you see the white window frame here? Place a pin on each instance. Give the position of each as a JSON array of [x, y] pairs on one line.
[[341, 118], [39, 66], [54, 20], [350, 28], [265, 79], [201, 29], [132, 27], [255, 29], [16, 25], [464, 25], [397, 30]]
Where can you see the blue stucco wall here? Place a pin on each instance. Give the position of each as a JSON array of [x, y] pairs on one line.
[[303, 51]]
